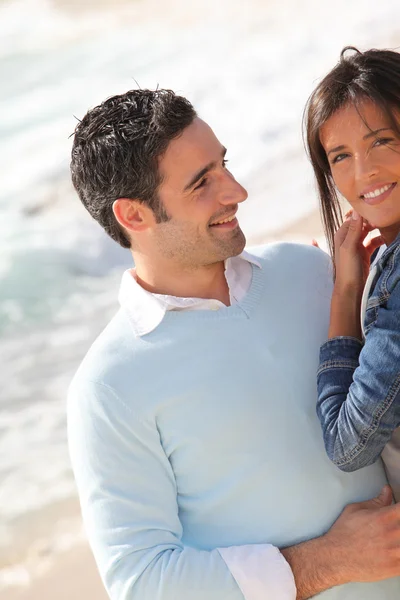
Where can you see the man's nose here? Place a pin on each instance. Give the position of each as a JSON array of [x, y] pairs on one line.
[[232, 192]]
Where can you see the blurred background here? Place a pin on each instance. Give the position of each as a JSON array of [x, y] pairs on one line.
[[248, 66]]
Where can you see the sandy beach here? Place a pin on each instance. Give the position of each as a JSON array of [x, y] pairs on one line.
[[73, 574], [72, 577]]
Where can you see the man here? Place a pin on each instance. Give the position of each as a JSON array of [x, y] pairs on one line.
[[192, 428]]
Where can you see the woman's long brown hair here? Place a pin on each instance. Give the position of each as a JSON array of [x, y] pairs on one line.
[[358, 76]]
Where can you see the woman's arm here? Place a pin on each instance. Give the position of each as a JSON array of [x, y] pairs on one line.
[[359, 391], [358, 386]]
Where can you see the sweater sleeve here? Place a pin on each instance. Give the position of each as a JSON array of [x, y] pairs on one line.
[[129, 506]]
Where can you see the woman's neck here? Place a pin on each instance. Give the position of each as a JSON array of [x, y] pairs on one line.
[[390, 233]]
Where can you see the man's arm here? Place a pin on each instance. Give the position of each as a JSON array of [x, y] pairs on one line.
[[128, 496], [129, 504], [363, 545]]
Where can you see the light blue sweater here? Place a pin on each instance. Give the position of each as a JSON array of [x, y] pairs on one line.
[[203, 434]]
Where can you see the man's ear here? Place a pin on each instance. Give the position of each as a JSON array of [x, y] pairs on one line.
[[133, 215]]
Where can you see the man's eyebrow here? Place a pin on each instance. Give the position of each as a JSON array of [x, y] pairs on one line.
[[372, 133], [203, 172]]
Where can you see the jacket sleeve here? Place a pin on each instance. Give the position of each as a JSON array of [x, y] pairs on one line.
[[129, 505], [359, 390]]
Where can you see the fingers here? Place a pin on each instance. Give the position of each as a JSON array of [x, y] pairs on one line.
[[314, 243], [355, 229], [341, 233], [367, 226], [349, 234], [385, 498], [374, 243]]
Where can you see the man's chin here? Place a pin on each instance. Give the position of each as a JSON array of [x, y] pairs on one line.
[[237, 244], [239, 250]]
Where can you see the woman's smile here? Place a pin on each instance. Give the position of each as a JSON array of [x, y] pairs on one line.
[[378, 193]]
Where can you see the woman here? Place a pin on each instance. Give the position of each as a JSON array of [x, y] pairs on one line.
[[352, 123]]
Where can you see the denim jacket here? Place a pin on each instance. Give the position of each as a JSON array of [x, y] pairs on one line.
[[359, 383]]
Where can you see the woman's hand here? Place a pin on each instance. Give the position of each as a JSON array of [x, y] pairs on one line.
[[353, 254], [352, 261]]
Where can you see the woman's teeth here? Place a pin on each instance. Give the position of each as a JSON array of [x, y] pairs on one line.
[[378, 192]]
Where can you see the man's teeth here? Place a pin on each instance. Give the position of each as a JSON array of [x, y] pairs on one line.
[[378, 192], [228, 220]]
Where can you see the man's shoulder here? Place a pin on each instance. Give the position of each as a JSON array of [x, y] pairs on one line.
[[111, 379], [290, 254], [110, 354], [294, 268]]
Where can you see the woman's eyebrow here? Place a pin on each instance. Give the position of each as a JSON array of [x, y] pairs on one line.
[[372, 133], [366, 137], [336, 149]]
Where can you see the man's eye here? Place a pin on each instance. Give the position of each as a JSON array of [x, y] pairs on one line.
[[225, 162], [202, 183]]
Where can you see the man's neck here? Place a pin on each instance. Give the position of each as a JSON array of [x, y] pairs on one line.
[[207, 282]]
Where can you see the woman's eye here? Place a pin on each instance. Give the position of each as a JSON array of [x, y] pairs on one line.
[[225, 162], [383, 141], [338, 158]]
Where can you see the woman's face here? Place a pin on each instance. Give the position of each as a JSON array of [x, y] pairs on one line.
[[364, 156]]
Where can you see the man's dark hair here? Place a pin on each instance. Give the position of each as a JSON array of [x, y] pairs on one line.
[[116, 150], [358, 76]]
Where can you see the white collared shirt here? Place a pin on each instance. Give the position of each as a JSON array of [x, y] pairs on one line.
[[146, 309]]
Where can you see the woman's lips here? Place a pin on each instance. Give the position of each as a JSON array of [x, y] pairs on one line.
[[380, 197]]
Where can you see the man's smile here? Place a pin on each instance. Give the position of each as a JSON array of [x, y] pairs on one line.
[[226, 222]]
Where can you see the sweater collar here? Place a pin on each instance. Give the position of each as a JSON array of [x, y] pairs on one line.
[[146, 310]]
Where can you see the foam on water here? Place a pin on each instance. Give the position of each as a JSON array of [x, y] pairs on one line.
[[247, 66]]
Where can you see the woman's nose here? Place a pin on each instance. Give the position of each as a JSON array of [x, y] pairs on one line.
[[366, 167]]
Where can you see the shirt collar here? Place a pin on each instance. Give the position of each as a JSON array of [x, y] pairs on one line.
[[146, 310], [246, 256]]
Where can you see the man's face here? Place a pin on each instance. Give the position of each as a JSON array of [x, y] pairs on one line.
[[201, 197]]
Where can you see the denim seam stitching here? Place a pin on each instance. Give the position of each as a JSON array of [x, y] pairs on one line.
[[337, 364], [387, 273], [366, 433]]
